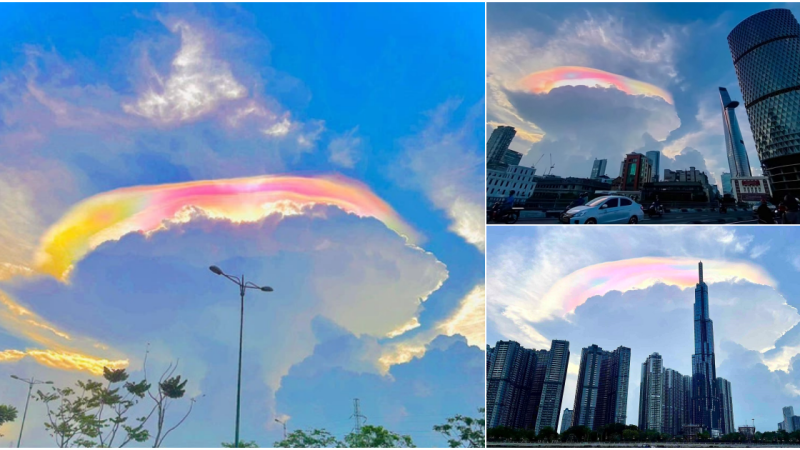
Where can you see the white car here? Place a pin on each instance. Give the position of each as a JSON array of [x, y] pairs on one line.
[[606, 209]]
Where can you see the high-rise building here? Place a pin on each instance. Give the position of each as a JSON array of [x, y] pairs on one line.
[[705, 400], [566, 420], [517, 383], [726, 183], [498, 144], [637, 171], [512, 158], [601, 396], [599, 168], [734, 143], [532, 408], [788, 414], [553, 389], [655, 161], [675, 402], [504, 383], [726, 406], [651, 389], [765, 49]]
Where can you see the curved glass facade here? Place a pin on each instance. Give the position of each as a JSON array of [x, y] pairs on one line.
[[765, 49]]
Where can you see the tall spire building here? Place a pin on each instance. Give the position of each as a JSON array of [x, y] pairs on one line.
[[705, 398], [734, 143]]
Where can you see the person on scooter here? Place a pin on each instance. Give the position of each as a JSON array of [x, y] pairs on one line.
[[765, 215], [506, 207]]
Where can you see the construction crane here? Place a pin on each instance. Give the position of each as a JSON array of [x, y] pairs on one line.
[[537, 162], [552, 166]]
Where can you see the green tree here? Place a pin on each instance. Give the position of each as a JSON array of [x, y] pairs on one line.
[[309, 439], [7, 414], [548, 434], [630, 435], [467, 432], [372, 436], [101, 414], [242, 444]]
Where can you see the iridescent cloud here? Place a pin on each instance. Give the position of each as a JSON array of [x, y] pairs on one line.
[[547, 80], [111, 215], [641, 273]]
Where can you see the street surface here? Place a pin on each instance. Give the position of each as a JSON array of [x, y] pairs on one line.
[[676, 217], [637, 444]]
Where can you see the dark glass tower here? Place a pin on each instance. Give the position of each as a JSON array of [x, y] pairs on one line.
[[705, 399], [765, 49]]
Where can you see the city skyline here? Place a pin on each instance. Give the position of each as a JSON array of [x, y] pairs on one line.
[[615, 79], [141, 144], [640, 295]]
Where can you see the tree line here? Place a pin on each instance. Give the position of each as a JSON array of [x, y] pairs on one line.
[[618, 432], [117, 411]]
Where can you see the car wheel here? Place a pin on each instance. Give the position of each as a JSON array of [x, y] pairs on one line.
[[591, 221], [512, 218], [634, 220]]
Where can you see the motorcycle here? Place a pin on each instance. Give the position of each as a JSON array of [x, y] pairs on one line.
[[495, 214], [654, 211]]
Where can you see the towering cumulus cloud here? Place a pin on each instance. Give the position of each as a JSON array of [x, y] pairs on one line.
[[547, 80], [111, 215]]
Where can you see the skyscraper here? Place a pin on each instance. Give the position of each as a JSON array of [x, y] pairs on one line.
[[734, 143], [651, 389], [498, 144], [601, 396], [504, 383], [788, 423], [553, 389], [726, 183], [675, 402], [655, 162], [599, 168], [566, 420], [705, 400], [517, 384], [512, 158], [765, 49], [726, 406]]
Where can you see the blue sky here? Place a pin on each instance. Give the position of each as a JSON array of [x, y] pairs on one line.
[[94, 98], [679, 48], [535, 295]]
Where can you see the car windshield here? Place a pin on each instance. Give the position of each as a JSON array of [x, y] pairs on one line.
[[596, 201]]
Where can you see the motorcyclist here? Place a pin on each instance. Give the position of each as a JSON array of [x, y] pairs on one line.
[[580, 201], [507, 206], [765, 215], [792, 208]]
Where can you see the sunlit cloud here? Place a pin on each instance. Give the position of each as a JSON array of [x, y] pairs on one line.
[[467, 319], [195, 86], [62, 351], [111, 215]]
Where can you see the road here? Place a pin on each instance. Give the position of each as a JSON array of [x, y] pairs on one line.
[[638, 444], [675, 217]]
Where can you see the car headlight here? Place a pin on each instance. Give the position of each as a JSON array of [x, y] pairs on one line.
[[580, 214]]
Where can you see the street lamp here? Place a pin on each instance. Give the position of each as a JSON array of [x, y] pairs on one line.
[[30, 382], [243, 286], [282, 422]]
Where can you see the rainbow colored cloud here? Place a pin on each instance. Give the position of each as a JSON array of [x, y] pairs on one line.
[[547, 80], [111, 215], [641, 273]]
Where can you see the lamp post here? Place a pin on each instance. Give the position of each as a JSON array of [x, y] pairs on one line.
[[282, 422], [30, 383], [243, 286]]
